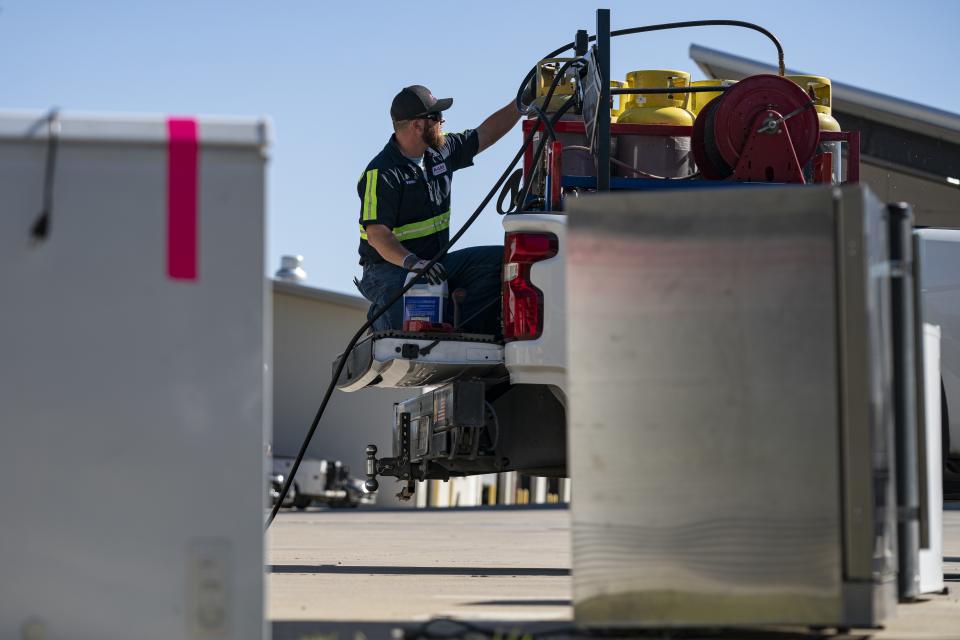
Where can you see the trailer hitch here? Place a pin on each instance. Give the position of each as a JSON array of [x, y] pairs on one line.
[[396, 467]]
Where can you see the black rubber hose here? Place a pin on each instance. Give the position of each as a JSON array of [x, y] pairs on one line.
[[662, 27], [366, 325], [511, 188], [709, 23], [541, 146], [41, 227], [541, 111], [550, 134]]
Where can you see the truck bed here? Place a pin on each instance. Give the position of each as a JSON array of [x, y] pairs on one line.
[[395, 359]]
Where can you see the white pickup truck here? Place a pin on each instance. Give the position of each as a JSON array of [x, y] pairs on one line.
[[494, 405], [501, 406]]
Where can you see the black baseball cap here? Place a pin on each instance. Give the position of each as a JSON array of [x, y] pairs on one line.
[[417, 101]]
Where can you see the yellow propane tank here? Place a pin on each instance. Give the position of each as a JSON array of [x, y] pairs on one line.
[[546, 72], [576, 159], [617, 102], [657, 108], [696, 101], [818, 88], [655, 155]]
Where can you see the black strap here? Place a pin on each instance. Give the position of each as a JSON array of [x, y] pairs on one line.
[[41, 227]]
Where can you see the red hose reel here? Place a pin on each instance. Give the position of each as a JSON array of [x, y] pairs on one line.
[[762, 129]]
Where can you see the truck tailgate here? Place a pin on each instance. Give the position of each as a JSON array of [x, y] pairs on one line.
[[391, 359]]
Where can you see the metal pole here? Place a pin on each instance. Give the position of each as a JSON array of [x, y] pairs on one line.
[[904, 400], [603, 111], [923, 470], [581, 43]]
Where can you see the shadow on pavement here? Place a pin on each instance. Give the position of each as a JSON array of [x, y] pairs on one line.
[[445, 628], [418, 571], [441, 628], [521, 603]]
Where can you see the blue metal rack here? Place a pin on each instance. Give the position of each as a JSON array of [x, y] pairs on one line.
[[644, 184]]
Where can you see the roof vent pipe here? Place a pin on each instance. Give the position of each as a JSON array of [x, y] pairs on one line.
[[291, 269]]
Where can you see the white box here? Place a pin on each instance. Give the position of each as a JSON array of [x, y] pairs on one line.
[[132, 396], [931, 556]]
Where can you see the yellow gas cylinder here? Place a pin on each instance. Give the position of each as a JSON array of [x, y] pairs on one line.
[[546, 72], [576, 159], [818, 88], [696, 101], [657, 108], [641, 156], [617, 102]]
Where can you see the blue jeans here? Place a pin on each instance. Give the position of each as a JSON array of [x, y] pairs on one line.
[[476, 269]]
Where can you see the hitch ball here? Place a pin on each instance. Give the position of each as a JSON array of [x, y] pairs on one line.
[[371, 485]]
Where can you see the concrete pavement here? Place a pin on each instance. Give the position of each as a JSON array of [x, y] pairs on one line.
[[334, 574]]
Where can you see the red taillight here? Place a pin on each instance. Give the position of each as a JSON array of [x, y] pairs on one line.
[[523, 302]]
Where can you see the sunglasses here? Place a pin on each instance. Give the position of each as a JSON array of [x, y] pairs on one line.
[[436, 117]]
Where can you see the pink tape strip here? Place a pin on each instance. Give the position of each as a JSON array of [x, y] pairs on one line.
[[182, 190]]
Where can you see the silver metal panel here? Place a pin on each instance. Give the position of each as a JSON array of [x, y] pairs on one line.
[[866, 382], [857, 481], [704, 410], [132, 405]]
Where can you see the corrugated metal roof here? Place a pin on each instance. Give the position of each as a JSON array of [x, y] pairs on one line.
[[878, 107]]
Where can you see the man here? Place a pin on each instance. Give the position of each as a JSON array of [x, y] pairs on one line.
[[405, 211]]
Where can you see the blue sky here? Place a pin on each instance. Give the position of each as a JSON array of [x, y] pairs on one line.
[[325, 74]]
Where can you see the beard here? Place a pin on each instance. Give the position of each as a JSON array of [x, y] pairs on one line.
[[433, 137]]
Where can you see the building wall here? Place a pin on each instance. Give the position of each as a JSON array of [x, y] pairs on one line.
[[310, 328], [935, 204]]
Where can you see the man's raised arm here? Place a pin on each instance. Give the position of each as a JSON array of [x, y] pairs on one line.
[[497, 125]]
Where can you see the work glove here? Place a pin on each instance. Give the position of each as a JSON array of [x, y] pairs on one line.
[[527, 96], [435, 275]]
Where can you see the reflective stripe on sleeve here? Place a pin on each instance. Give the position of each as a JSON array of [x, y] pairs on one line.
[[420, 229], [370, 196], [423, 228]]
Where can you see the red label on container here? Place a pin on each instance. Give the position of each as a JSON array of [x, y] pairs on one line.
[[182, 192]]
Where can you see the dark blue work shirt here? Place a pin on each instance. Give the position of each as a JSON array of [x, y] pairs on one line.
[[394, 192]]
